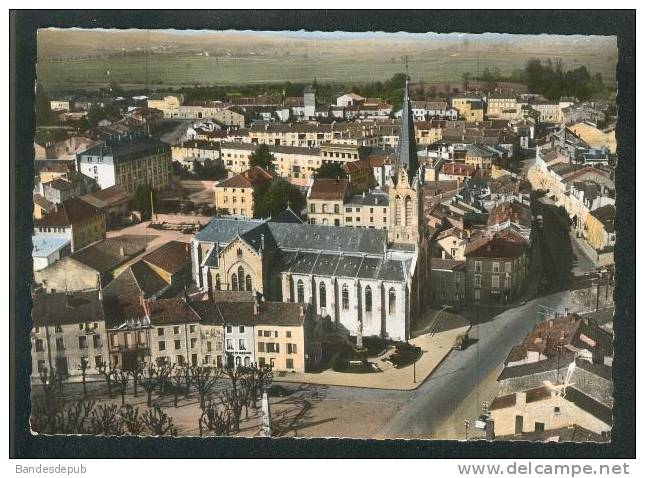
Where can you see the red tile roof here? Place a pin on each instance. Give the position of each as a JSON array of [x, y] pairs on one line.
[[172, 257], [248, 179], [335, 189]]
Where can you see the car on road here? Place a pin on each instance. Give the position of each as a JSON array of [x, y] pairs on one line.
[[278, 391]]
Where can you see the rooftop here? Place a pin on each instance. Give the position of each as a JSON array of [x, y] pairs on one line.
[[127, 148], [66, 308], [44, 246], [329, 189], [69, 212]]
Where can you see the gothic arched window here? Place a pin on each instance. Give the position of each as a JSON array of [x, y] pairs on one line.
[[392, 301], [368, 299], [301, 291], [322, 299], [240, 275], [234, 281], [397, 211], [408, 211], [345, 297], [249, 283], [218, 282]]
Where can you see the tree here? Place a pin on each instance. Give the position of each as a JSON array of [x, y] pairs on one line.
[[83, 368], [215, 419], [209, 170], [136, 373], [107, 375], [105, 420], [255, 379], [132, 420], [330, 171], [204, 379], [164, 371], [141, 200], [158, 422], [234, 401], [122, 378], [262, 157], [178, 379], [149, 381], [44, 115], [271, 199]]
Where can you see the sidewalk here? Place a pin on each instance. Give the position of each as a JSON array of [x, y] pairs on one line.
[[435, 346]]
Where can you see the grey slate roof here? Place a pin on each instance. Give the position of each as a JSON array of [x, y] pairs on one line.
[[312, 249], [407, 147]]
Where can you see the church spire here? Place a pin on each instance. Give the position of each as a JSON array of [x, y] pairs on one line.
[[407, 149]]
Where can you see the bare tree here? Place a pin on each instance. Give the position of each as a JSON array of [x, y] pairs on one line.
[[83, 368], [137, 372], [76, 417], [104, 370], [122, 378], [149, 381], [234, 401], [132, 420], [158, 422], [105, 420], [256, 378], [178, 379], [215, 419], [164, 371], [204, 379]]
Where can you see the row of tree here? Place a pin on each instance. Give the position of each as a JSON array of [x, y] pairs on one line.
[[220, 414]]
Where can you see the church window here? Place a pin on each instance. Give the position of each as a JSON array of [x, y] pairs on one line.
[[234, 282], [218, 282], [345, 297], [322, 295], [392, 301], [240, 275], [408, 211], [239, 252], [249, 283], [368, 299], [301, 291], [397, 212]]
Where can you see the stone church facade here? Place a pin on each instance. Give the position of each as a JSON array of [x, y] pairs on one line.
[[374, 279]]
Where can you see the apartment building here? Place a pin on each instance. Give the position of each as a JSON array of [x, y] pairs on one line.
[[235, 195], [129, 162]]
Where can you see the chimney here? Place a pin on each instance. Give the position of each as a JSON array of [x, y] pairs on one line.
[[256, 308], [56, 207], [261, 242], [520, 399], [302, 311], [121, 251], [550, 323]]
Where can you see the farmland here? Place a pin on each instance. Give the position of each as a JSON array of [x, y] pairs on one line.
[[166, 64]]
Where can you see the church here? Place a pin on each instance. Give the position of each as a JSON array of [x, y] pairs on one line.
[[373, 280]]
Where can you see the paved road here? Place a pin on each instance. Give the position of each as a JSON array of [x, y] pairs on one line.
[[461, 372]]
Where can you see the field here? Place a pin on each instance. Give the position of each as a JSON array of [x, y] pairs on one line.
[[226, 62]]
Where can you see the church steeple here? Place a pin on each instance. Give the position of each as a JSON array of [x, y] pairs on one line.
[[407, 149]]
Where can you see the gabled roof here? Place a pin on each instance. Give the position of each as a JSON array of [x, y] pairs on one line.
[[66, 308], [107, 197], [104, 256], [495, 247], [248, 179], [69, 212], [171, 311], [172, 257], [287, 215], [330, 189]]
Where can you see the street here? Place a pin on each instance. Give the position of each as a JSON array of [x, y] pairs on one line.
[[461, 373]]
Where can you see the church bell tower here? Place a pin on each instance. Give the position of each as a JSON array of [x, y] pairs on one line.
[[405, 193]]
